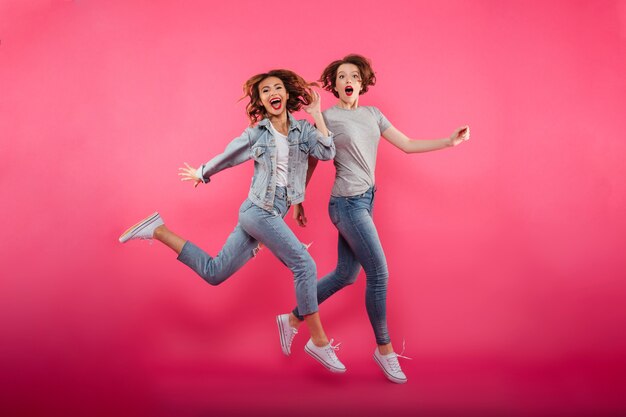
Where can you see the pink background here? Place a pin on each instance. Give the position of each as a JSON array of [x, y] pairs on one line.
[[506, 253]]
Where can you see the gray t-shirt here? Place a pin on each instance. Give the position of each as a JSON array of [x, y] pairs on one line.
[[357, 133]]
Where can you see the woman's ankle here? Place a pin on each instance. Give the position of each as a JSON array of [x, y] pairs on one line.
[[320, 341], [294, 321], [385, 349]]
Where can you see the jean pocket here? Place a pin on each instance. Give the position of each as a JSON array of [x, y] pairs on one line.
[[246, 205], [333, 211]]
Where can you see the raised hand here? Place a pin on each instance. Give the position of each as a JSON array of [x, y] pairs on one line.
[[188, 173], [316, 104], [460, 135]]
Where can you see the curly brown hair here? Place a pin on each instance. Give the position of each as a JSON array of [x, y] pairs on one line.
[[299, 90], [329, 75]]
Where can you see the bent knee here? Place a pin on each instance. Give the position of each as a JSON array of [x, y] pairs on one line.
[[214, 278], [304, 263], [349, 275]]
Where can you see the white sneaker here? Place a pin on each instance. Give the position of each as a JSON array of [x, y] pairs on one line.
[[144, 229], [286, 333], [390, 366], [326, 356]]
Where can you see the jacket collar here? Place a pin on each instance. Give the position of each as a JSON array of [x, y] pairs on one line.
[[293, 123]]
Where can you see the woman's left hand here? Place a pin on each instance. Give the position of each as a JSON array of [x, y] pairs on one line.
[[316, 104], [298, 214], [460, 135], [188, 173]]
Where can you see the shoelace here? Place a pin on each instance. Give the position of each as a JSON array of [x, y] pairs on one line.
[[292, 334], [330, 350], [403, 348], [392, 360]]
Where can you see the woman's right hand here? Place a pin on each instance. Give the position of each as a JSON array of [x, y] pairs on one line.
[[460, 135], [298, 214], [188, 173], [315, 107]]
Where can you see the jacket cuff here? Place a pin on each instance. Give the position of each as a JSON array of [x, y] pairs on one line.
[[199, 174], [327, 140]]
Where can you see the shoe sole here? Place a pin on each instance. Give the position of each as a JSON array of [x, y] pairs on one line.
[[324, 363], [133, 230], [387, 374], [281, 333]]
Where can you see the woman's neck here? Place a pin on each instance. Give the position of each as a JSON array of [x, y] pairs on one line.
[[348, 106], [280, 123]]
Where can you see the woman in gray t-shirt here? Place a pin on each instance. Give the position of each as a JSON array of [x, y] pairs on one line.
[[357, 130]]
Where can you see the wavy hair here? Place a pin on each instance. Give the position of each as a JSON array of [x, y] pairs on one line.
[[299, 90], [329, 75]]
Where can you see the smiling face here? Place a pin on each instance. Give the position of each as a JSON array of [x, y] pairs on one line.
[[273, 96], [348, 84]]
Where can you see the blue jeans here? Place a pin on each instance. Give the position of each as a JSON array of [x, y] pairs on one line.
[[258, 225], [358, 246]]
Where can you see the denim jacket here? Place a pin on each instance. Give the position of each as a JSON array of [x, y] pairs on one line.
[[258, 143]]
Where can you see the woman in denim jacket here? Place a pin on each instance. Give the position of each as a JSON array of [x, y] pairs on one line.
[[357, 131], [280, 147]]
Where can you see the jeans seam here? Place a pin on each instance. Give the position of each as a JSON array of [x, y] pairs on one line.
[[360, 234], [282, 237]]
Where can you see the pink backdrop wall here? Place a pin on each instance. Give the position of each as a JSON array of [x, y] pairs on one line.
[[506, 253]]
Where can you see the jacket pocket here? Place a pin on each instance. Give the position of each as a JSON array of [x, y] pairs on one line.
[[246, 205], [304, 147], [257, 151]]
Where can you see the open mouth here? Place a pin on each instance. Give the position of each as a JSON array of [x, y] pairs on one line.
[[276, 103], [349, 90]]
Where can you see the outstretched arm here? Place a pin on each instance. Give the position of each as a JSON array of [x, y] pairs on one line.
[[236, 152], [404, 143]]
